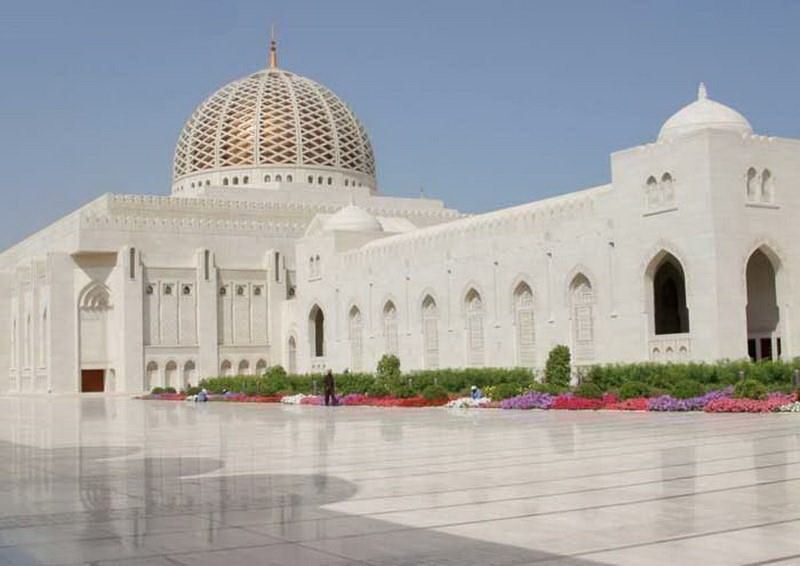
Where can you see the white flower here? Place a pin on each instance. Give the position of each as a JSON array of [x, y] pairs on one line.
[[468, 403], [293, 399]]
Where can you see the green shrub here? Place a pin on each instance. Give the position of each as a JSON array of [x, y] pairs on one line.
[[157, 391], [589, 390], [633, 389], [686, 388], [388, 367], [548, 388], [169, 390], [750, 389], [192, 390], [434, 393], [275, 372], [557, 369], [377, 389], [502, 391]]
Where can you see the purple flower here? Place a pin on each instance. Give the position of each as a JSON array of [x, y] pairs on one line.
[[669, 403], [530, 400]]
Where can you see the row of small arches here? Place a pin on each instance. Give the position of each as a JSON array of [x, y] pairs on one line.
[[242, 368], [582, 301], [241, 290], [168, 289], [171, 376]]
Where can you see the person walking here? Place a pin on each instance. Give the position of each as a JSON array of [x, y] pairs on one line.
[[330, 388]]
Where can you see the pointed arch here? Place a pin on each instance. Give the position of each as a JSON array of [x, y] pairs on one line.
[[524, 325], [430, 332], [390, 328], [766, 191], [244, 368], [763, 312], [316, 331], [226, 368], [356, 335], [582, 314], [750, 184], [291, 355], [261, 367], [474, 314], [95, 296], [669, 307]]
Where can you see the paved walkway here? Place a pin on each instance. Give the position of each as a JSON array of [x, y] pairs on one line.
[[114, 480]]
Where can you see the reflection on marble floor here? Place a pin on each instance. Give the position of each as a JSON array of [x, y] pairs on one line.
[[113, 480]]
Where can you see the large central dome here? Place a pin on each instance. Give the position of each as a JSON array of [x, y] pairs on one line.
[[269, 128]]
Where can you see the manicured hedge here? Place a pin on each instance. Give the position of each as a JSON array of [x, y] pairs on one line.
[[453, 381], [775, 375]]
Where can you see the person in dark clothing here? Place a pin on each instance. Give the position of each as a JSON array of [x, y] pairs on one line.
[[330, 388]]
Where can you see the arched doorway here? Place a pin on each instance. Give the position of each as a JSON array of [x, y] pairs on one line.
[[316, 326], [189, 374], [670, 313], [171, 375], [226, 369], [244, 368], [390, 334], [763, 313], [96, 344], [261, 367]]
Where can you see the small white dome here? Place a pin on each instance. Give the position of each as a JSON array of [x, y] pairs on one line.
[[702, 114], [353, 219]]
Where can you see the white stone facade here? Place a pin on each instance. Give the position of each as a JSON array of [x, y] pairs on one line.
[[687, 254]]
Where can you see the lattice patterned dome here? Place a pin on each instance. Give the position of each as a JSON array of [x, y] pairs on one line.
[[271, 128]]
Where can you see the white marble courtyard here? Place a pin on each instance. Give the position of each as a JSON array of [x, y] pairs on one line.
[[113, 480]]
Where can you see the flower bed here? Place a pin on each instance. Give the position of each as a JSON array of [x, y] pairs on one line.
[[530, 400], [573, 403], [635, 404], [790, 407], [772, 403]]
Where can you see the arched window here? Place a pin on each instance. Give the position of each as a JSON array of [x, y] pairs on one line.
[[310, 180], [244, 368], [226, 369], [288, 178], [225, 182], [751, 184], [278, 178], [311, 267], [766, 186], [356, 339], [236, 180], [319, 180], [346, 182], [317, 267], [330, 180], [261, 367], [475, 339], [151, 376], [245, 180], [430, 333], [390, 328], [667, 190], [651, 192], [189, 374], [208, 182], [267, 179], [291, 355], [524, 322], [763, 312], [670, 312], [316, 324], [171, 375], [582, 311]]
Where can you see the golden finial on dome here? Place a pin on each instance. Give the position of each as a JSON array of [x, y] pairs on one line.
[[702, 94], [273, 49]]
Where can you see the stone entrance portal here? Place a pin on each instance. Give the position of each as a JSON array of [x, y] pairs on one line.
[[92, 381]]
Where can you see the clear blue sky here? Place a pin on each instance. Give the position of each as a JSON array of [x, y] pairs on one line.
[[484, 104]]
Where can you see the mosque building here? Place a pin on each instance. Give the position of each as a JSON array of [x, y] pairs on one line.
[[276, 247]]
